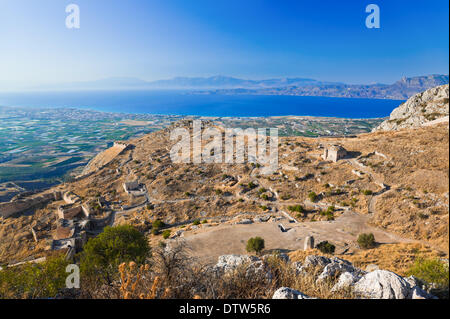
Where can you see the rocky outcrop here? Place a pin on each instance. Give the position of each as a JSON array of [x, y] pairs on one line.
[[254, 266], [377, 284], [382, 284], [420, 109]]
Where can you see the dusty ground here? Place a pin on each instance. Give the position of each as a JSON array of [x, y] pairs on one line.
[[208, 243]]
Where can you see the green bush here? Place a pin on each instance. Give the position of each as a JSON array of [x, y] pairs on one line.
[[296, 208], [326, 247], [196, 222], [102, 255], [367, 192], [366, 241], [166, 234], [431, 271], [312, 196], [158, 224], [34, 280], [255, 244]]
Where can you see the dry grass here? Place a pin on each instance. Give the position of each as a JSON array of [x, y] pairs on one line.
[[397, 258]]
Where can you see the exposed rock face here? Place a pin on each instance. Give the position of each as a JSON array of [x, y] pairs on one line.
[[382, 284], [254, 265], [346, 280], [231, 262], [418, 110], [316, 261], [289, 293], [336, 267]]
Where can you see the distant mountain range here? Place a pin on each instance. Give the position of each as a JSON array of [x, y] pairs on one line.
[[401, 89]]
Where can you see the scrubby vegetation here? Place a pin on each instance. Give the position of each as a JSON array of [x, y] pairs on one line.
[[312, 196], [433, 272], [34, 280], [102, 255], [326, 247], [255, 244], [366, 241], [296, 208]]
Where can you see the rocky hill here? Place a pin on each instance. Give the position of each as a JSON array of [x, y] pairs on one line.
[[422, 108], [400, 90]]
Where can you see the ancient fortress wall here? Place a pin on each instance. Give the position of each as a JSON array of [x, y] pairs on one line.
[[9, 208]]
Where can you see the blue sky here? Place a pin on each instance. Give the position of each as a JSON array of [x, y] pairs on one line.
[[151, 39]]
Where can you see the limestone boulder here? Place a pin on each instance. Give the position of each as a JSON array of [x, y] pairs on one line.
[[382, 284], [289, 293]]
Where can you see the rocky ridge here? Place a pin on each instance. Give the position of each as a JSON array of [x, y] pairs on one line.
[[420, 109]]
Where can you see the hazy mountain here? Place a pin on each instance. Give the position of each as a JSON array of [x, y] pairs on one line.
[[401, 90]]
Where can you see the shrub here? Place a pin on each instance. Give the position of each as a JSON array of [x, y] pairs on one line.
[[251, 185], [431, 271], [265, 196], [296, 208], [255, 244], [326, 247], [166, 234], [261, 190], [367, 192], [34, 280], [205, 221], [218, 192], [102, 254], [312, 196], [196, 222], [264, 207], [366, 241], [158, 224]]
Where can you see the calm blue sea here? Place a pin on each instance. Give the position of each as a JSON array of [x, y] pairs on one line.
[[182, 103]]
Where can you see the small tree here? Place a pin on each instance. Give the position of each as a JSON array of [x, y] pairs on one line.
[[312, 196], [366, 241], [103, 254], [255, 244], [166, 234], [34, 280]]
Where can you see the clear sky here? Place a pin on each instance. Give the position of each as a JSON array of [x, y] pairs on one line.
[[158, 39]]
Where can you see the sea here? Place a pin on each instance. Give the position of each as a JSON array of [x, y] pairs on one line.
[[214, 105]]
